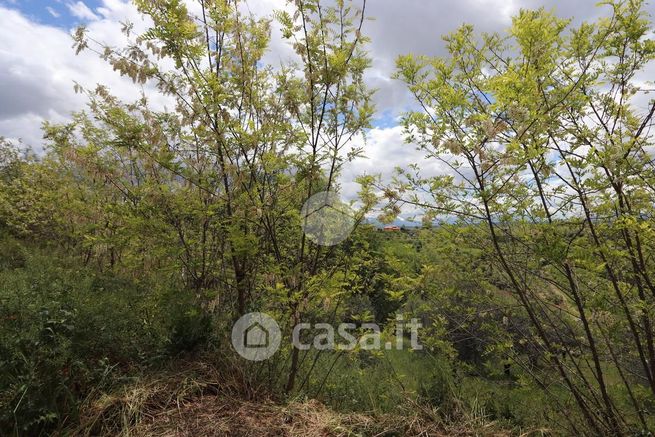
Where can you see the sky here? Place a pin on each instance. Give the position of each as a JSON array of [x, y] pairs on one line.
[[38, 67]]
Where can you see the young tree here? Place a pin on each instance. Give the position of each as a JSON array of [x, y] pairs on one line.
[[546, 135], [217, 184], [330, 103]]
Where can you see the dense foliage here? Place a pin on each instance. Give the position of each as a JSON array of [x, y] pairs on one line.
[[547, 132]]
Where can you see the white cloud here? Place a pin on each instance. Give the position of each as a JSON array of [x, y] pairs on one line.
[[52, 12], [39, 68], [384, 150], [81, 10]]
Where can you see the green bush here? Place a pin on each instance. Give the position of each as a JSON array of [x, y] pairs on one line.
[[438, 389], [372, 381], [66, 331], [12, 254], [190, 329]]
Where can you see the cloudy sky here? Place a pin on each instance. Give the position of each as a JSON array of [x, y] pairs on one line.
[[38, 66]]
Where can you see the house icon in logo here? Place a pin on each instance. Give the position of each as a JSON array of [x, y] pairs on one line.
[[256, 336]]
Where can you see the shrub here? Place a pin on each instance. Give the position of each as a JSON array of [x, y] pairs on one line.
[[66, 331]]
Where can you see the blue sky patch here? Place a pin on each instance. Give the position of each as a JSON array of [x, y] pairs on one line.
[[58, 13]]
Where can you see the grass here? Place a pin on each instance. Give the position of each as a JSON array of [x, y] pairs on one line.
[[194, 399]]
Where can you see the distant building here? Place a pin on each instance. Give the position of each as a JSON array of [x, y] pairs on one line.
[[391, 228]]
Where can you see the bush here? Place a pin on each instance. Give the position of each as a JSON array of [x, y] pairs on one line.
[[189, 330], [12, 254], [438, 389], [66, 331]]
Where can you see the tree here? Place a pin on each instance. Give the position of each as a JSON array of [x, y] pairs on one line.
[[545, 134], [212, 190]]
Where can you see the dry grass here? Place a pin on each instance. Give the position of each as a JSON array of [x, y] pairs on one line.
[[198, 401], [216, 416]]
